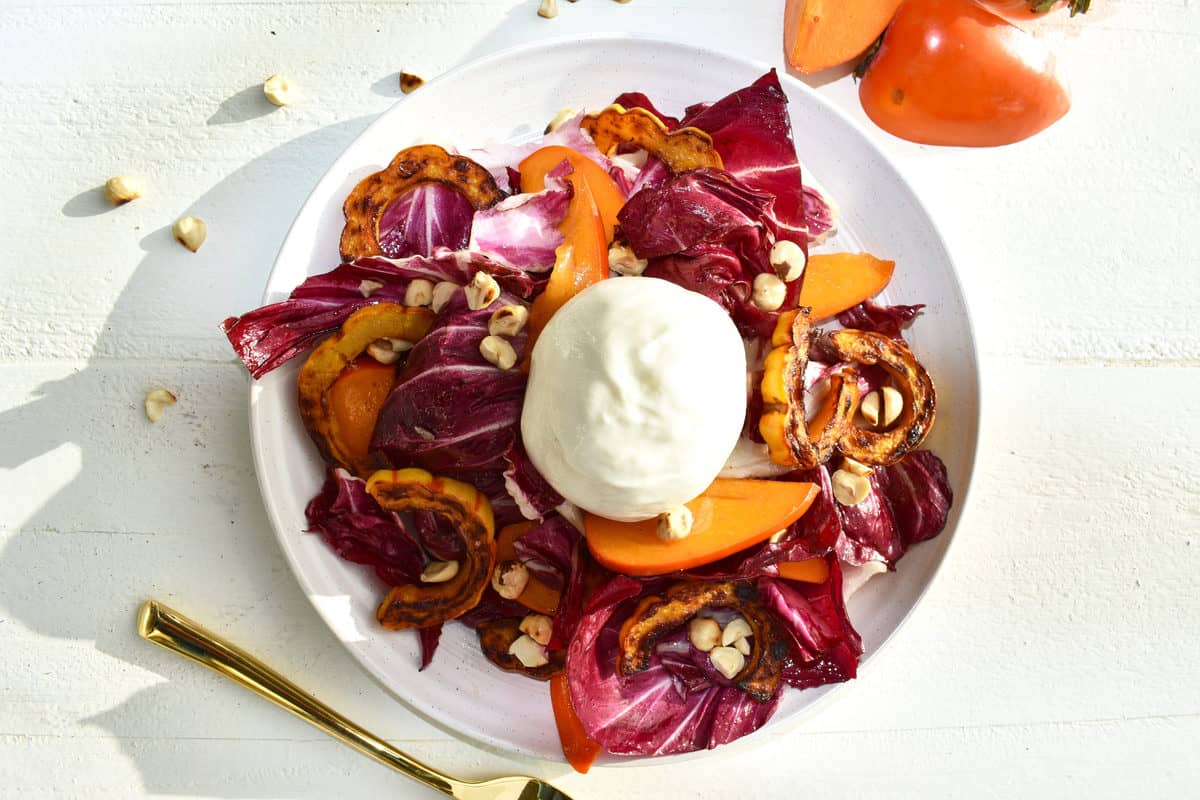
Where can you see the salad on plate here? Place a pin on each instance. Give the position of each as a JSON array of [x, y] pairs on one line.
[[600, 398]]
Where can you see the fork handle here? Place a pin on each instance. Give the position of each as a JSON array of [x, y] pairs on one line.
[[172, 630]]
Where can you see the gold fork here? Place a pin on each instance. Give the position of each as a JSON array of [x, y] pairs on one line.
[[172, 630]]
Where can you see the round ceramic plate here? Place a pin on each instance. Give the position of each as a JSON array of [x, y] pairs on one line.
[[510, 96]]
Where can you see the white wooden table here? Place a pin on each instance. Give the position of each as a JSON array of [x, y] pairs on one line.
[[1056, 655]]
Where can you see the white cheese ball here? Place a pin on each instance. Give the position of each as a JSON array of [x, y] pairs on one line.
[[636, 397]]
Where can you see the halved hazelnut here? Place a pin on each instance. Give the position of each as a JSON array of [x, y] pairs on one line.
[[439, 571], [528, 652], [190, 232], [508, 320], [769, 291], [704, 633], [278, 90], [498, 351], [510, 579], [539, 627], [409, 82], [482, 291], [418, 293], [156, 401], [849, 489], [122, 188], [727, 660]]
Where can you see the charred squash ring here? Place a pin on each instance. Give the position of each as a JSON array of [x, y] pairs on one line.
[[680, 150], [655, 617], [497, 635], [913, 382], [422, 605], [332, 356], [791, 440], [426, 163]]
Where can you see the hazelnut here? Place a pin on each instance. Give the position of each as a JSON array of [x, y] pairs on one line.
[[539, 627], [849, 489], [769, 291], [704, 633], [419, 292], [528, 652], [675, 524], [508, 320], [278, 90], [548, 9], [409, 82], [737, 628], [482, 291], [727, 660], [559, 118], [442, 293], [788, 259], [190, 232], [510, 579], [122, 188], [623, 261], [439, 571], [156, 401], [498, 351], [857, 467], [387, 350], [368, 287]]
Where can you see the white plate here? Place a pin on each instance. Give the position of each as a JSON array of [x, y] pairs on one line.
[[510, 96]]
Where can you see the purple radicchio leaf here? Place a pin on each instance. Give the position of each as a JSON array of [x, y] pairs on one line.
[[429, 641], [644, 713], [271, 335], [533, 494], [360, 531], [521, 230], [424, 218], [450, 408], [545, 549], [629, 100], [820, 215], [707, 232], [909, 502], [887, 320], [825, 646], [752, 131]]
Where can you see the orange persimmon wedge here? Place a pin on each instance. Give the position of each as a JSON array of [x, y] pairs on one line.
[[819, 34], [582, 259], [605, 192], [731, 515], [355, 400], [810, 570], [537, 596], [579, 748], [834, 282]]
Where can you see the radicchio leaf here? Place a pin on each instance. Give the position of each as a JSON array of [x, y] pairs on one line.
[[887, 320], [532, 493], [644, 714], [424, 218], [360, 531], [270, 335], [429, 641], [707, 232], [546, 550], [522, 230], [909, 502], [825, 646], [752, 131], [820, 215], [450, 408]]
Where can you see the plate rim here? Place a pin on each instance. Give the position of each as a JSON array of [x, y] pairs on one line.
[[971, 421]]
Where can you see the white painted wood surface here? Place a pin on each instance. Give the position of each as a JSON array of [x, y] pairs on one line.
[[1055, 656]]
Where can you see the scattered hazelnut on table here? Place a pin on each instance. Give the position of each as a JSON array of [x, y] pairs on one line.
[[278, 90], [156, 401], [548, 9], [120, 189], [190, 232], [410, 82]]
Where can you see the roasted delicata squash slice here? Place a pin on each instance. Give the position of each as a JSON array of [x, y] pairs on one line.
[[680, 150], [656, 617], [496, 639], [419, 605], [905, 434], [327, 363], [791, 439], [426, 163]]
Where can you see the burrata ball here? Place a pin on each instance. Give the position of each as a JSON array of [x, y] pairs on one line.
[[636, 397]]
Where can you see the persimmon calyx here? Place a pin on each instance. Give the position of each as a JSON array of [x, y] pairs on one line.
[[329, 359], [791, 439], [411, 167], [679, 150], [422, 605], [908, 431], [656, 617]]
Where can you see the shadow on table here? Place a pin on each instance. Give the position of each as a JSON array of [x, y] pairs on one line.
[[173, 506]]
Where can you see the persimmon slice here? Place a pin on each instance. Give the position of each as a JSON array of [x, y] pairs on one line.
[[834, 282], [731, 515], [537, 596]]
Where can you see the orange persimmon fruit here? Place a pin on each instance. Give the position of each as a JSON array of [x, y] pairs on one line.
[[834, 282]]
